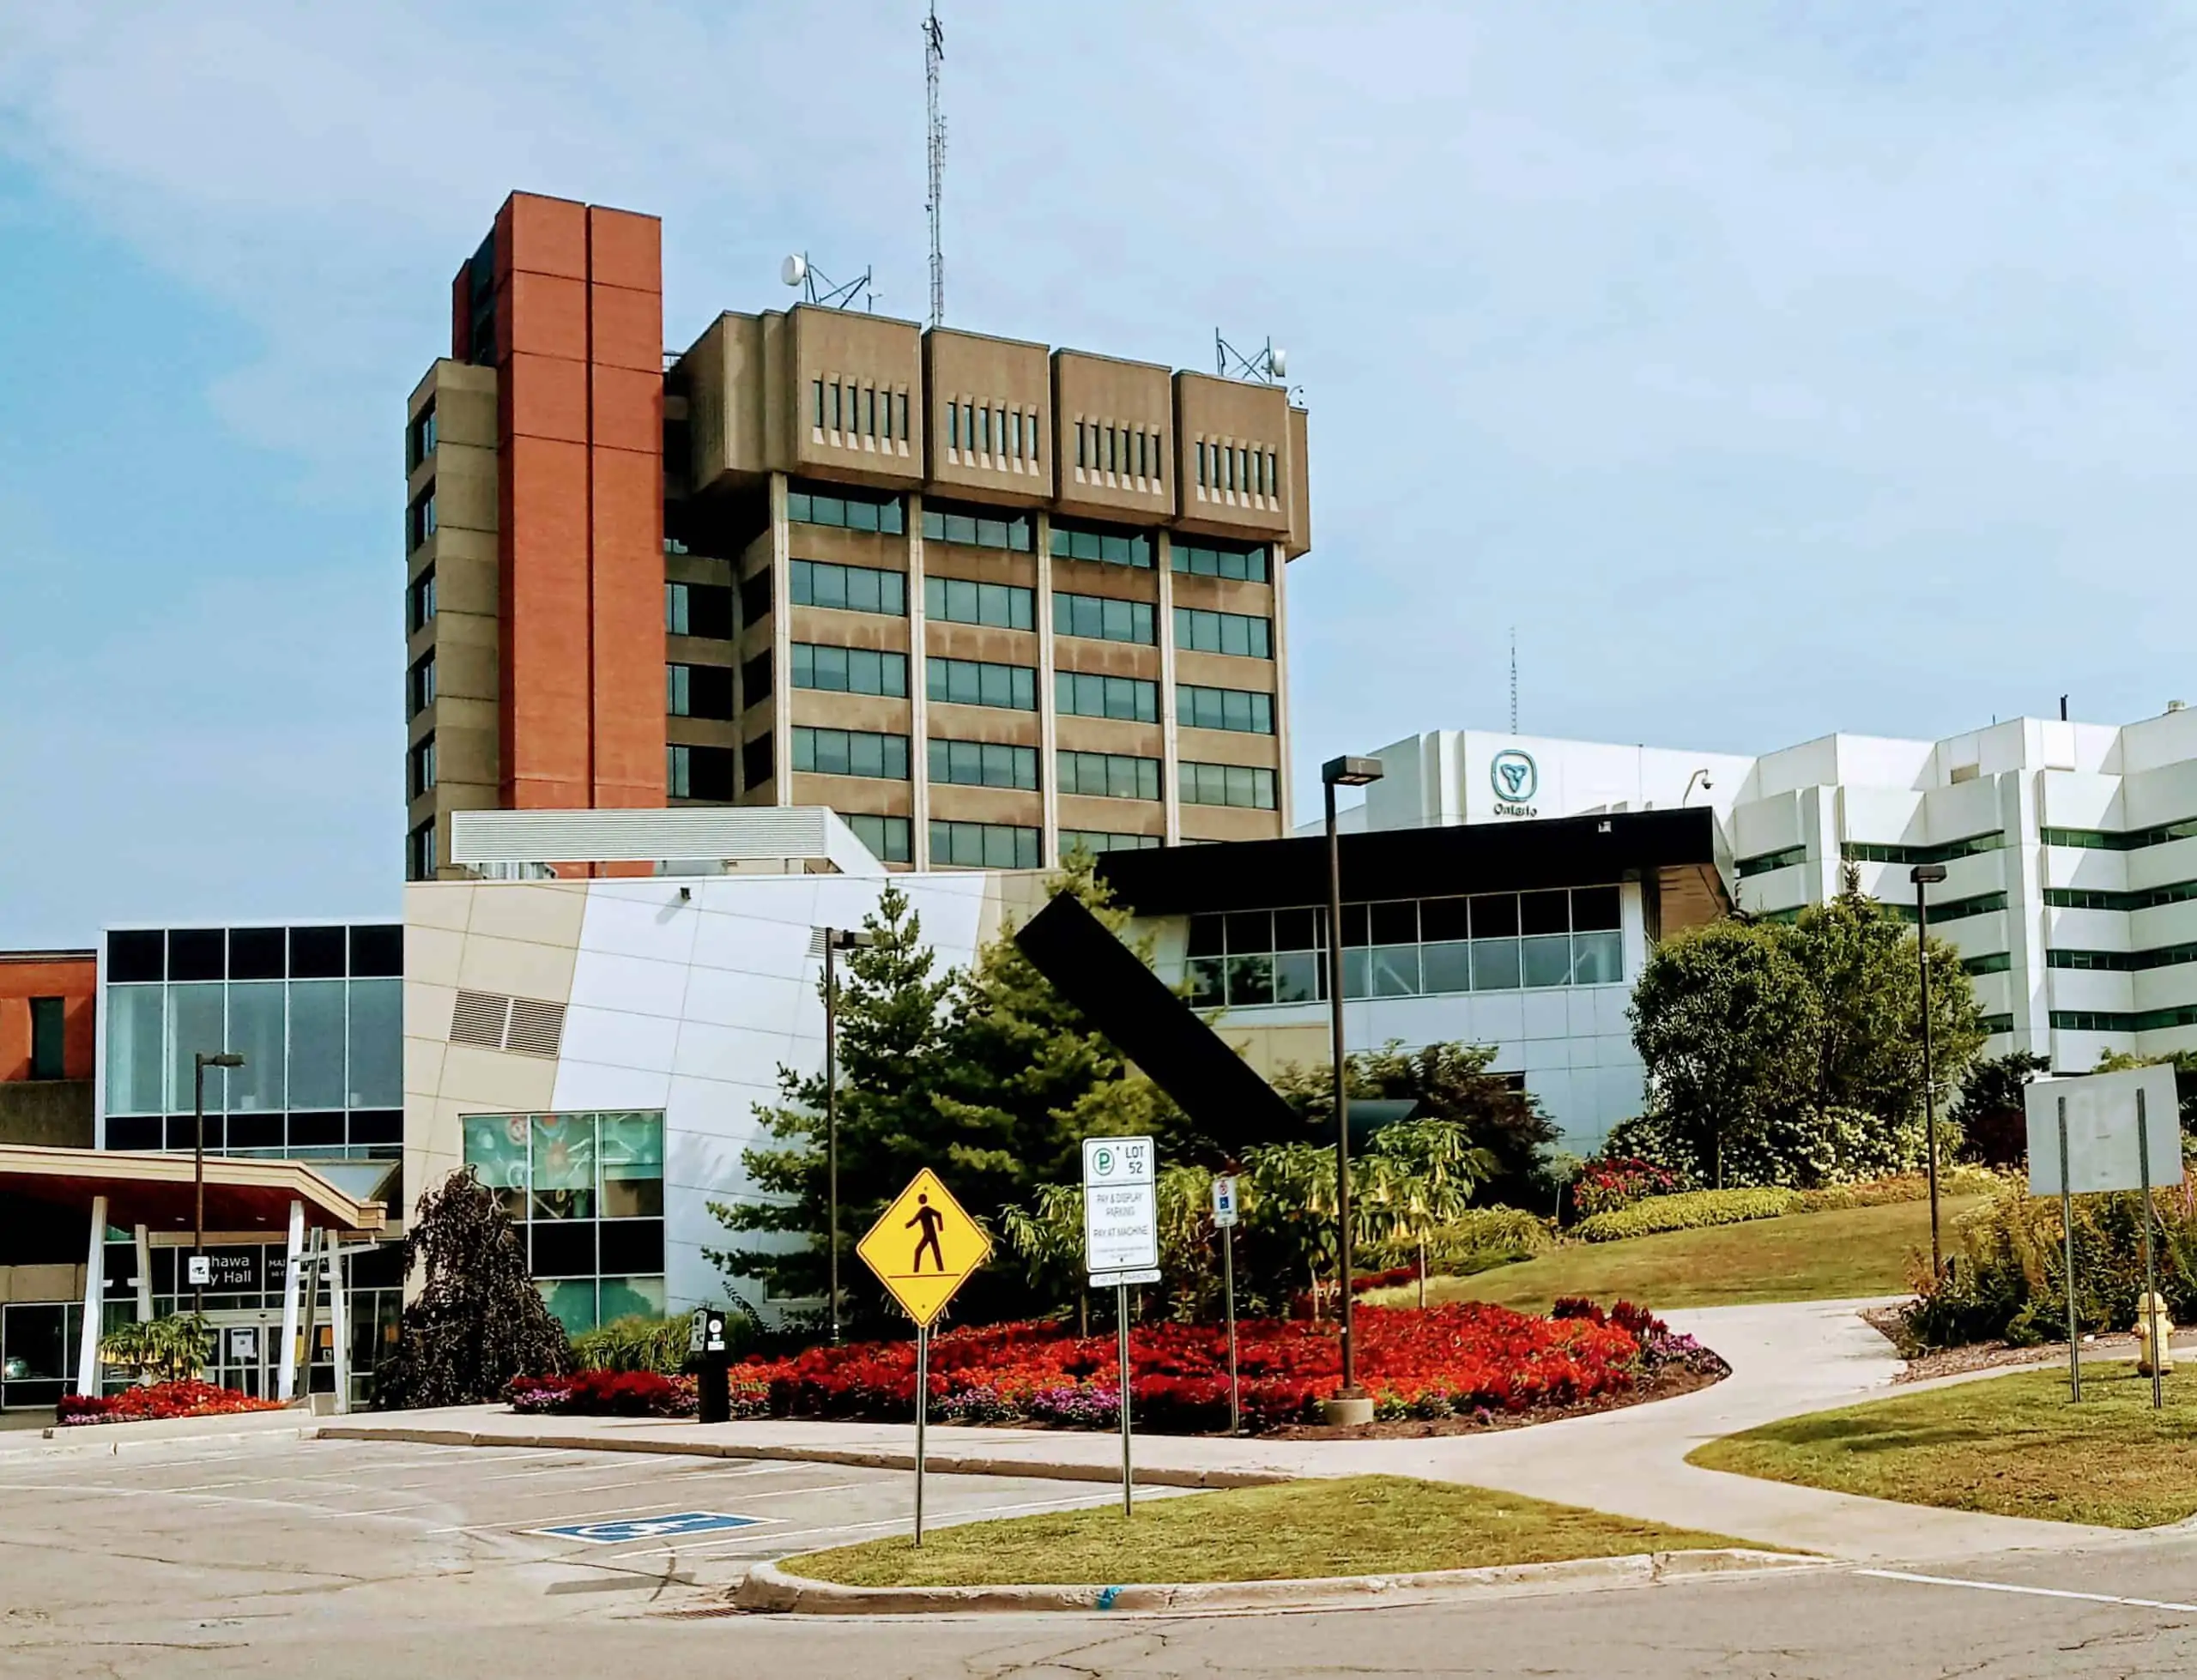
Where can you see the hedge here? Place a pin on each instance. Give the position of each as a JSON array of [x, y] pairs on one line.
[[1689, 1209]]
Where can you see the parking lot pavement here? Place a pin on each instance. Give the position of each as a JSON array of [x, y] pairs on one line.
[[232, 1541]]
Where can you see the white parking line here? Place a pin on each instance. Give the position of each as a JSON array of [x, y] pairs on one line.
[[2027, 1591]]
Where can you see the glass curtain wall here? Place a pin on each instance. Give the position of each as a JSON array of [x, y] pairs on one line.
[[1487, 942], [316, 1013], [586, 1191]]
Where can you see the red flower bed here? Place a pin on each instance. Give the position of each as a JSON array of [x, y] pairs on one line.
[[605, 1395], [1466, 1358], [191, 1398]]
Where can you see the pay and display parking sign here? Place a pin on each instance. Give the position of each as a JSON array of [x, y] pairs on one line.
[[1121, 1207]]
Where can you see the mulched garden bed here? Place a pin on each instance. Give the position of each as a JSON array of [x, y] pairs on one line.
[[1990, 1355]]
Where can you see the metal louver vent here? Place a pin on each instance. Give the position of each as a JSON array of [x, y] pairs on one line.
[[525, 1026], [816, 945], [535, 1027], [479, 1019]]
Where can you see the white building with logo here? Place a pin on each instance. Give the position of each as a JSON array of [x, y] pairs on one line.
[[2070, 849]]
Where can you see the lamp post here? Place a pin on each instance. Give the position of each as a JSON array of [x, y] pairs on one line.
[[1925, 876], [200, 1061], [836, 939], [1350, 1405]]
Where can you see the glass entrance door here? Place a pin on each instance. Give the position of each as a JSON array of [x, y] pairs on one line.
[[245, 1353]]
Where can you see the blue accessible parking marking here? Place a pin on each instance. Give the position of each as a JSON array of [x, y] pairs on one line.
[[646, 1528]]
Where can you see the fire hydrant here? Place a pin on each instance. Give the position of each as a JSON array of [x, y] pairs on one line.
[[2154, 1335]]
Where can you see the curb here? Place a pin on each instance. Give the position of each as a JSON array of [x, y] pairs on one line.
[[110, 1440], [859, 1458], [769, 1589]]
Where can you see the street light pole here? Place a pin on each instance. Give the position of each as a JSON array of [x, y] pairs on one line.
[[1924, 875], [836, 939], [200, 1061], [1344, 772]]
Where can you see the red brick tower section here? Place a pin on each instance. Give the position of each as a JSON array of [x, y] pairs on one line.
[[579, 359]]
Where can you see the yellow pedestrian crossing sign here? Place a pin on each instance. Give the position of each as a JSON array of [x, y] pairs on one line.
[[923, 1248]]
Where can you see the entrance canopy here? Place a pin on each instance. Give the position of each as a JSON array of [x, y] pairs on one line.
[[155, 1190]]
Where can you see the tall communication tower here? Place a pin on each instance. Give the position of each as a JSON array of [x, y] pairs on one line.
[[934, 55]]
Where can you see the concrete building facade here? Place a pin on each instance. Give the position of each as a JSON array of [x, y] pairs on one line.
[[2070, 849], [986, 600]]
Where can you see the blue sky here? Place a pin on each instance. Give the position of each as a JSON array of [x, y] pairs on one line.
[[1773, 368]]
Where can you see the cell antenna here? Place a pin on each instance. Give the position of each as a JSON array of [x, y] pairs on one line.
[[1514, 679], [934, 55]]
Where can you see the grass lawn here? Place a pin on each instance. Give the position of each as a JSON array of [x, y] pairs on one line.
[[1800, 1257], [1360, 1525], [2009, 1445]]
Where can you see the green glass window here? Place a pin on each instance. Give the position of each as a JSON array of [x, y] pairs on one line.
[[850, 588], [983, 846], [1245, 711], [1206, 557], [850, 753], [972, 764], [1108, 775], [969, 682], [978, 527], [890, 839], [1130, 699], [958, 601], [848, 510], [1102, 618], [1238, 633], [1109, 544], [850, 670], [1243, 785]]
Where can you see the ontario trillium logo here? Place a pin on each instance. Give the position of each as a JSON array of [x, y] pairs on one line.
[[1513, 774]]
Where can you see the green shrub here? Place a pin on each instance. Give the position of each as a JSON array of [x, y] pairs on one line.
[[642, 1343], [2006, 1279], [1690, 1210], [1482, 1237]]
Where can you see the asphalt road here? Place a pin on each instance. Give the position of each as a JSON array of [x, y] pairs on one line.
[[341, 1559]]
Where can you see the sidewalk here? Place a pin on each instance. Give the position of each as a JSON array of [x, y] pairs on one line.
[[1786, 1360]]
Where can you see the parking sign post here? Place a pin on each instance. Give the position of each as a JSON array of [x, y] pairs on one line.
[[1121, 1244], [1223, 1220]]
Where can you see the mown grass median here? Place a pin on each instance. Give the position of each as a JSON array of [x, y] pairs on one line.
[[2011, 1446], [1357, 1525], [1839, 1255]]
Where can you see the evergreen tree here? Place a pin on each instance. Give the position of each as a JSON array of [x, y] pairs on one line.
[[890, 1049], [479, 1321], [1026, 1073]]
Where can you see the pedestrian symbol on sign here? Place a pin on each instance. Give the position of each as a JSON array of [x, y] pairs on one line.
[[930, 1219]]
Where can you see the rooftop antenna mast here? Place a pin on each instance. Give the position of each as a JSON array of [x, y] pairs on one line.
[[818, 287], [934, 55], [1267, 365]]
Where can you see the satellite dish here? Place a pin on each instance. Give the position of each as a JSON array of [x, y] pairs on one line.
[[1278, 360], [794, 270]]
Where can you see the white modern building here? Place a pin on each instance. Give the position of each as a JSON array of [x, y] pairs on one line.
[[2070, 849], [597, 1039]]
